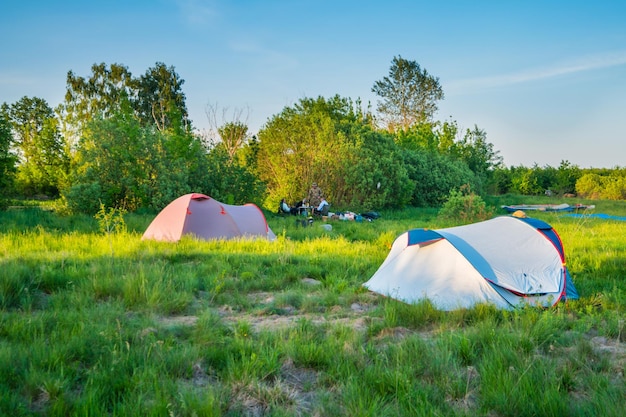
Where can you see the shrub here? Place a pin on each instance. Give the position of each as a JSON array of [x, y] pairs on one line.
[[595, 186], [81, 198], [465, 206], [434, 176]]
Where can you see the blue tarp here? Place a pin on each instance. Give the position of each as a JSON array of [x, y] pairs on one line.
[[598, 216]]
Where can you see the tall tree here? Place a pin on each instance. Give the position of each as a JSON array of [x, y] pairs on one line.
[[160, 98], [230, 129], [123, 163], [409, 94], [330, 142], [7, 158], [301, 145], [120, 163], [43, 162], [98, 96], [566, 177], [234, 136]]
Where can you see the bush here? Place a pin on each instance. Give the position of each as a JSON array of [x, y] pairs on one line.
[[82, 198], [434, 176], [465, 206], [608, 187]]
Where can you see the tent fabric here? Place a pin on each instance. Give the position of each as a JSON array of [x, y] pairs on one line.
[[505, 261], [206, 218]]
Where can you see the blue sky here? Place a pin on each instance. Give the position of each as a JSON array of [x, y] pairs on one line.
[[545, 79]]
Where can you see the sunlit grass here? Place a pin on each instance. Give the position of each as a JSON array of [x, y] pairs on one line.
[[95, 324]]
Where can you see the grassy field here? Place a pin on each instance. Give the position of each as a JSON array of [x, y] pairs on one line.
[[95, 323]]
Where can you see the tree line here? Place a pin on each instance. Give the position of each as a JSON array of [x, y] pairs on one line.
[[128, 142]]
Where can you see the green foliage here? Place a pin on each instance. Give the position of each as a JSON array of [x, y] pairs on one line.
[[300, 146], [7, 158], [81, 198], [156, 98], [43, 163], [111, 220], [160, 99], [437, 161], [536, 180], [435, 137], [526, 181], [231, 182], [188, 157], [125, 165], [479, 155], [501, 181], [566, 177], [331, 143], [602, 186], [379, 179], [466, 207], [434, 175], [419, 136], [409, 94], [233, 136]]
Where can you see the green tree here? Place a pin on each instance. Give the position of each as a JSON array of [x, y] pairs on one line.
[[434, 176], [377, 177], [546, 177], [501, 181], [465, 206], [249, 153], [328, 141], [615, 187], [479, 155], [122, 164], [188, 150], [231, 181], [97, 97], [591, 185], [447, 134], [422, 136], [526, 181], [431, 136], [301, 145], [43, 162], [409, 94], [160, 98], [233, 136], [602, 184], [566, 177], [7, 158]]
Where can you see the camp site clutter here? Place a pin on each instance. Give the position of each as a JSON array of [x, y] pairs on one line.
[[316, 205]]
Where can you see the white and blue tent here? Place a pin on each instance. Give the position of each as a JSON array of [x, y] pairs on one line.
[[505, 261]]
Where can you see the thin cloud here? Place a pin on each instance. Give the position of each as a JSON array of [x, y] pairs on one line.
[[586, 64], [197, 12]]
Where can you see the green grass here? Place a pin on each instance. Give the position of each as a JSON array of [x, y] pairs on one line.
[[94, 324]]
